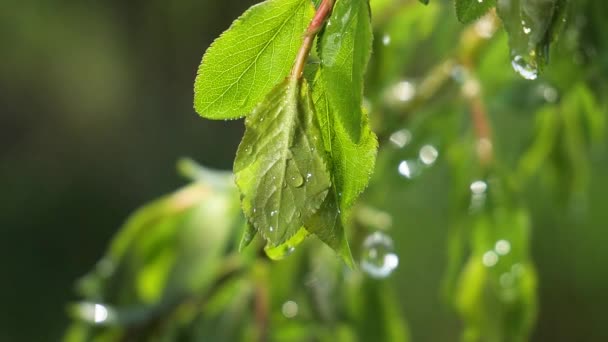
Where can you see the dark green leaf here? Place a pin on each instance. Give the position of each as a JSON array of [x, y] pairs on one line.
[[250, 58], [469, 10], [532, 25], [280, 165]]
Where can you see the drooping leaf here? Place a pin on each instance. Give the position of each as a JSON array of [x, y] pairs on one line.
[[353, 154], [280, 165], [532, 25], [250, 58], [345, 48], [327, 225], [469, 10]]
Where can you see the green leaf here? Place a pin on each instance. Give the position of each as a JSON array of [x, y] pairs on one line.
[[327, 225], [469, 10], [345, 48], [337, 94], [250, 58], [280, 167], [532, 25]]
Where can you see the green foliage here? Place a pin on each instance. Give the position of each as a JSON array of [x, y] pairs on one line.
[[469, 10], [309, 151], [250, 58]]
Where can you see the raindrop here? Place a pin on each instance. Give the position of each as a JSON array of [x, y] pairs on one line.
[[526, 29], [93, 312], [478, 195], [503, 247], [296, 180], [272, 213], [386, 39], [489, 259], [271, 228], [308, 176], [479, 187], [401, 138], [428, 154], [290, 309], [408, 169], [523, 68], [378, 258], [403, 91]]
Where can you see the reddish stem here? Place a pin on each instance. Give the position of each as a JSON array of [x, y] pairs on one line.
[[314, 27]]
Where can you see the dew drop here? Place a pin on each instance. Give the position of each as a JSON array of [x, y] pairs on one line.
[[272, 213], [524, 68], [296, 180], [271, 229], [378, 258]]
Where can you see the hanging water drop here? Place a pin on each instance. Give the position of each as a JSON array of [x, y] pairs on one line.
[[524, 68], [94, 312], [378, 258], [401, 138]]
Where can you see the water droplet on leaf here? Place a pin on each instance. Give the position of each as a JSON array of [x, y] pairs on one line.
[[524, 68], [378, 258]]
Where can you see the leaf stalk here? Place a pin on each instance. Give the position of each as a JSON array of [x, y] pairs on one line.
[[313, 29]]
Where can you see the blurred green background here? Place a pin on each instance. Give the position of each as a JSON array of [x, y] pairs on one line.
[[96, 107]]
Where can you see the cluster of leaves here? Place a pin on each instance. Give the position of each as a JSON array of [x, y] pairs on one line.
[[178, 271], [308, 151]]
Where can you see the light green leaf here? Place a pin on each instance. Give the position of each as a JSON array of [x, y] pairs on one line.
[[280, 167], [469, 10], [345, 48], [250, 58]]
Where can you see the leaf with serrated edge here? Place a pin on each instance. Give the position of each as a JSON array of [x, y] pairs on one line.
[[469, 10], [352, 161], [345, 50], [280, 167], [250, 58]]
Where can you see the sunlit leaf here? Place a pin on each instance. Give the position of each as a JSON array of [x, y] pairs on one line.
[[250, 58]]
